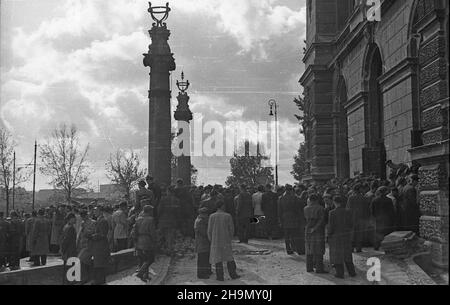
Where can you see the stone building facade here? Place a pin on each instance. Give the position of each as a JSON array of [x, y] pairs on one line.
[[376, 89]]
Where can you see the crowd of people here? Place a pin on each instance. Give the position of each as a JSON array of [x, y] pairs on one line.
[[349, 215]]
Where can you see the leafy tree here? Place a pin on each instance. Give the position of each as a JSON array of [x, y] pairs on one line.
[[125, 170], [249, 170], [300, 166], [64, 160]]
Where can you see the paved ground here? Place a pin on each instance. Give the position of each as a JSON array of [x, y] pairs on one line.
[[260, 263]]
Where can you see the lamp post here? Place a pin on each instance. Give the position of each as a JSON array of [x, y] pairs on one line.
[[274, 112]]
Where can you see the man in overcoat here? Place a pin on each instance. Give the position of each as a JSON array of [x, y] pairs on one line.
[[382, 210], [40, 239], [144, 233], [15, 238], [290, 217], [314, 234], [358, 205], [4, 231], [100, 248], [244, 213], [220, 234], [269, 206], [410, 205], [340, 226], [202, 244], [28, 227]]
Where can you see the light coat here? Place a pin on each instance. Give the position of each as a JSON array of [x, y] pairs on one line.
[[220, 234]]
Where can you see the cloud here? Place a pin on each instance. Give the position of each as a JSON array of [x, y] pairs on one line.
[[82, 64], [252, 23]]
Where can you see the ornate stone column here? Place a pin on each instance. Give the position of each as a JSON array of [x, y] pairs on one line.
[[161, 62], [184, 115]]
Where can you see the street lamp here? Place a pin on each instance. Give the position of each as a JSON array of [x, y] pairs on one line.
[[274, 112]]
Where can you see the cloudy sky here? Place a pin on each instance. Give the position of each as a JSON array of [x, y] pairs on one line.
[[80, 61]]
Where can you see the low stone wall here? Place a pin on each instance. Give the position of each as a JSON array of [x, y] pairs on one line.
[[54, 275]]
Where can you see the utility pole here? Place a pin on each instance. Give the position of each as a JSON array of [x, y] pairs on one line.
[[34, 173], [14, 182], [274, 106]]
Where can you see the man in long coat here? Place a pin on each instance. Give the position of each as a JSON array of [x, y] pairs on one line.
[[84, 244], [28, 227], [340, 226], [410, 205], [202, 244], [120, 225], [290, 217], [269, 206], [314, 234], [40, 239], [15, 238], [244, 213], [144, 233], [4, 230], [220, 234], [382, 210], [69, 238], [100, 248], [358, 205], [57, 228]]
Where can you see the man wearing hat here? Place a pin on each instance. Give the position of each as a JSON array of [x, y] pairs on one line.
[[382, 209], [220, 234], [120, 225], [410, 205], [4, 230], [144, 234], [40, 245], [202, 244]]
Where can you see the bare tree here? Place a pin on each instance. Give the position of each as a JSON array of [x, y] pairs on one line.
[[7, 146], [6, 163], [64, 160], [124, 169]]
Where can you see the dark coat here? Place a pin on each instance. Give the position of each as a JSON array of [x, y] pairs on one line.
[[244, 206], [382, 210], [28, 227], [340, 228], [144, 233], [57, 227], [202, 244], [314, 229], [410, 209], [68, 242], [358, 205], [16, 235], [40, 236], [100, 245], [4, 230], [289, 211], [269, 205], [169, 212]]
